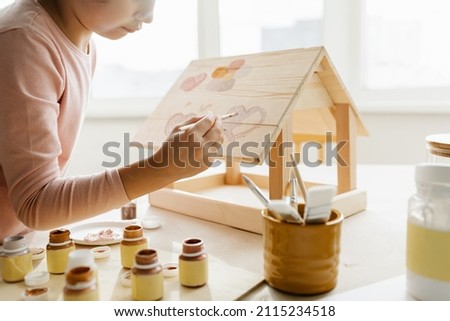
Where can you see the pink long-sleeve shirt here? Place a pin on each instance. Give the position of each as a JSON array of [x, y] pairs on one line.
[[44, 87]]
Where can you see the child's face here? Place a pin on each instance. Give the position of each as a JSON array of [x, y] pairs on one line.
[[114, 19]]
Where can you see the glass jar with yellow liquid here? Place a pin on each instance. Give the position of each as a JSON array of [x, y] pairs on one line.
[[428, 234]]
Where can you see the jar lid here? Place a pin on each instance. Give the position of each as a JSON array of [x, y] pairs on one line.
[[14, 244], [170, 270], [151, 222], [439, 144], [433, 173], [193, 247], [80, 258], [101, 252], [38, 253], [36, 294], [37, 278], [133, 233]]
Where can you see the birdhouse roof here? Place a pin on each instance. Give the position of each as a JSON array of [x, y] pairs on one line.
[[266, 90]]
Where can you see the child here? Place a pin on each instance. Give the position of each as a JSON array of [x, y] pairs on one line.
[[47, 59]]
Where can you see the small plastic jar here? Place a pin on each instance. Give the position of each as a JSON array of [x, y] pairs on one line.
[[81, 285], [128, 211], [132, 242], [16, 259], [147, 277], [438, 147], [58, 249], [193, 263], [428, 234], [80, 258]]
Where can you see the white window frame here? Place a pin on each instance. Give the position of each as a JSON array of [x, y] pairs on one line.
[[342, 39]]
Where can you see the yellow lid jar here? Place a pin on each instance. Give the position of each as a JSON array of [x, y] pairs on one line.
[[147, 276], [133, 241], [193, 263], [59, 247]]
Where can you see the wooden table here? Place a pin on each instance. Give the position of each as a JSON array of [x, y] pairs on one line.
[[373, 247]]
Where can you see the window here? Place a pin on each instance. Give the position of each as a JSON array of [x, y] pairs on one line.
[[146, 63], [405, 44], [403, 63], [264, 25], [390, 54]]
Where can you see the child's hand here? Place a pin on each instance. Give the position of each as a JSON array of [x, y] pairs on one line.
[[190, 151]]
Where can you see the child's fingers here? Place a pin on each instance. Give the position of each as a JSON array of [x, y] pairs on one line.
[[215, 133], [191, 121], [201, 127]]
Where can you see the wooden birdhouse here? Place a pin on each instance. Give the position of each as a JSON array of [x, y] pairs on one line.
[[282, 99]]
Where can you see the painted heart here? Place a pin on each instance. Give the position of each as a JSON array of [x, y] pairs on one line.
[[245, 122], [192, 82]]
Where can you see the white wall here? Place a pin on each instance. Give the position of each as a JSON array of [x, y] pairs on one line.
[[394, 139]]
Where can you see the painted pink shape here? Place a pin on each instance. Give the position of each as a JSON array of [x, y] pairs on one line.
[[236, 64], [192, 82], [176, 119], [242, 124]]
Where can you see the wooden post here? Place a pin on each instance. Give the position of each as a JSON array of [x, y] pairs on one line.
[[346, 132], [233, 173], [278, 158]]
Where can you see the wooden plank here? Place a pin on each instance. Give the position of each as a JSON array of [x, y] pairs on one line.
[[223, 212], [337, 90], [350, 203], [346, 132], [314, 95], [278, 159], [196, 184], [220, 210], [276, 188]]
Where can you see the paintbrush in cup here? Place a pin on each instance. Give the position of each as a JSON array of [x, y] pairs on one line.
[[299, 177]]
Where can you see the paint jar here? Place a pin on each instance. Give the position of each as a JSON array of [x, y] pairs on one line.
[[16, 259], [147, 276], [128, 211], [81, 285], [438, 147], [79, 258], [193, 263], [59, 247], [133, 241], [428, 234], [301, 259]]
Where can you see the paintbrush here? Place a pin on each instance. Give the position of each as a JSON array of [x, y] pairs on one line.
[[299, 177], [186, 127]]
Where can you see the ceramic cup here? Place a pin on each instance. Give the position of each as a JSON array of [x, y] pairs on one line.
[[301, 259]]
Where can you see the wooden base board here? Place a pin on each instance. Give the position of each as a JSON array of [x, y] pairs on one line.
[[209, 198]]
